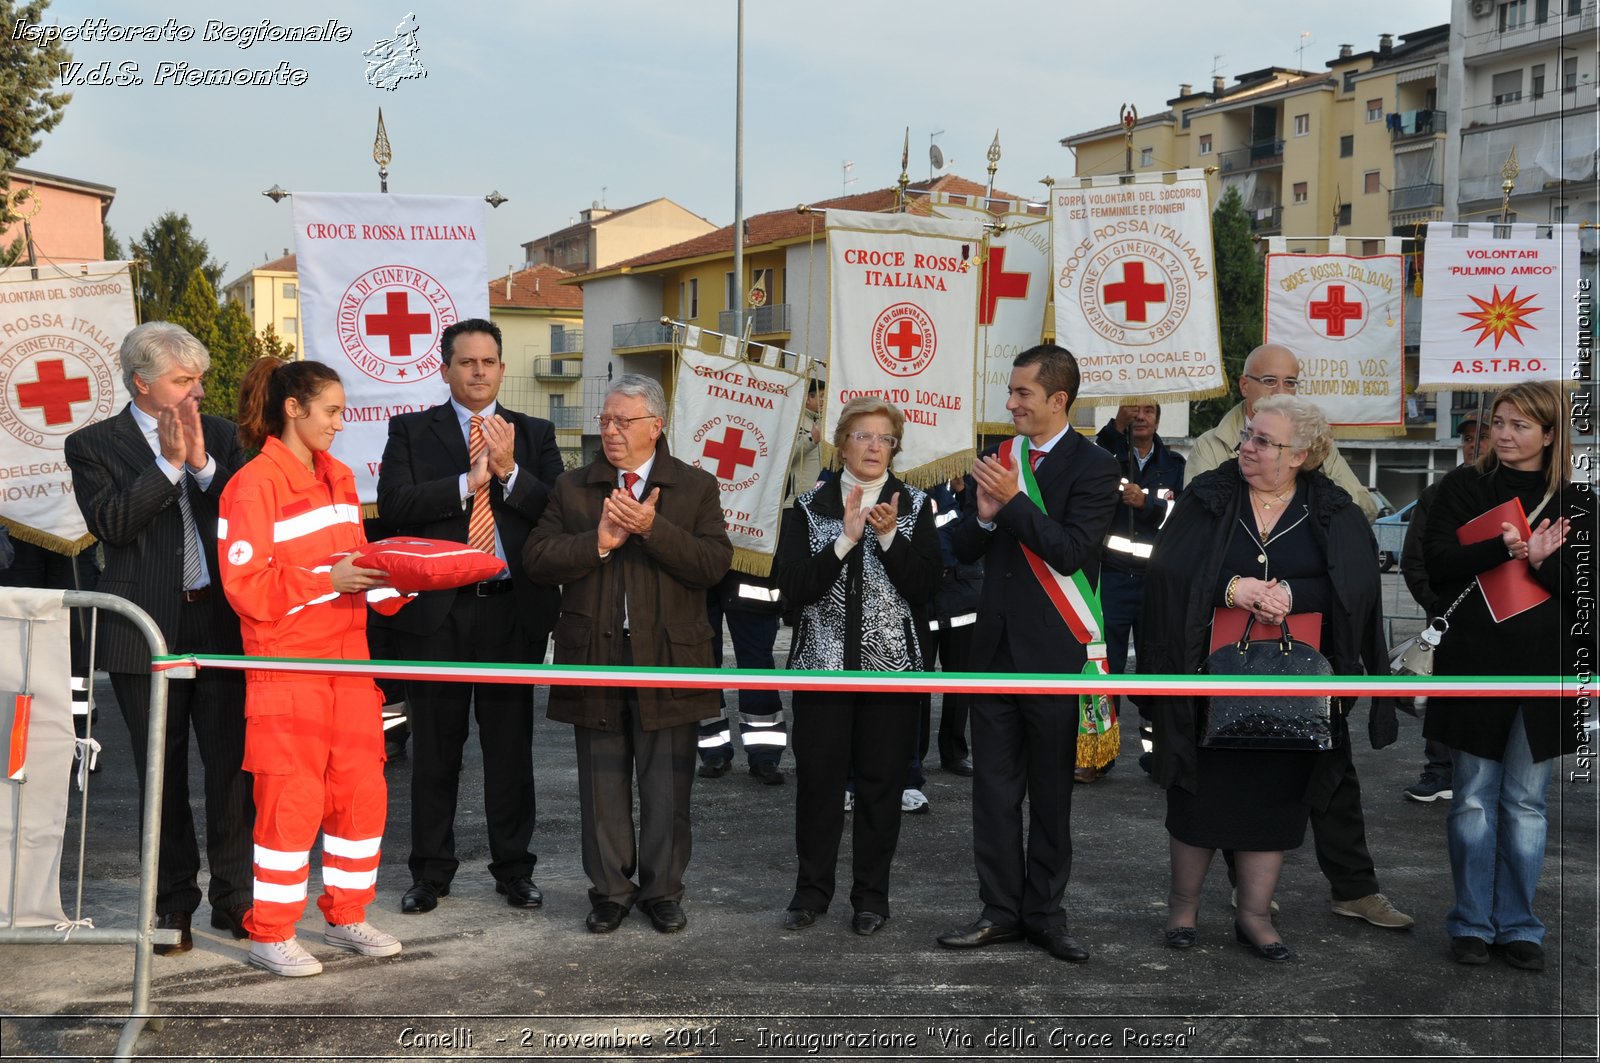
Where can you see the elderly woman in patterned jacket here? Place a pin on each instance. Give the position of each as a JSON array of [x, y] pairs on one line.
[[859, 557]]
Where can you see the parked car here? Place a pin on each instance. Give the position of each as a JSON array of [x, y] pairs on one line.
[[1385, 507], [1390, 531]]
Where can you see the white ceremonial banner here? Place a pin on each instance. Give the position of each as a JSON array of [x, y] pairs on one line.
[[1135, 289], [1341, 315], [1013, 290], [738, 421], [1497, 310], [381, 277], [902, 325], [59, 371]]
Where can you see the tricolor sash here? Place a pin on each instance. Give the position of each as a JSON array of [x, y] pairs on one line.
[[1074, 597]]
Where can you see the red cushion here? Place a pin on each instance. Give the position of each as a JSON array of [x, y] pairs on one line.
[[429, 564]]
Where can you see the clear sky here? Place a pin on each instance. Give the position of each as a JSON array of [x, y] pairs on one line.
[[561, 105]]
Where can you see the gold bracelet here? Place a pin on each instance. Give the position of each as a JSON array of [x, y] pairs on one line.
[[1233, 585]]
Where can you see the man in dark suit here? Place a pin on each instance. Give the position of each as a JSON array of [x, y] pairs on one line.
[[634, 538], [148, 481], [1025, 745], [472, 471]]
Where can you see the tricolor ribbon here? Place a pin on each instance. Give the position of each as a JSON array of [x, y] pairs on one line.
[[1074, 597]]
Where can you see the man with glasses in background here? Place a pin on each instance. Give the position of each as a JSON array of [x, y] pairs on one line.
[[1270, 369], [1339, 828]]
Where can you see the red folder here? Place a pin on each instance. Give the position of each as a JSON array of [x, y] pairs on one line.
[[1510, 587], [1228, 624]]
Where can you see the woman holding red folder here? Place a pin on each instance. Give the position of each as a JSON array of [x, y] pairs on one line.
[[1273, 539], [1519, 584]]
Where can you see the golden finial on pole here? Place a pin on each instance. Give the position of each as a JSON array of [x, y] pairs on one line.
[[994, 160], [382, 154], [1509, 172], [1129, 116], [905, 172]]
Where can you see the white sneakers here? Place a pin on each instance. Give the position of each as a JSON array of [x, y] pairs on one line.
[[362, 937], [914, 801], [290, 958]]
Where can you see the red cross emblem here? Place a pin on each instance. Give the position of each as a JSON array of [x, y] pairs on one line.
[[998, 284], [398, 324], [1335, 311], [905, 339], [53, 392], [1134, 293], [730, 453]]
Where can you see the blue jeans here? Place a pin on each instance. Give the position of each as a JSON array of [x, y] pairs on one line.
[[1496, 832]]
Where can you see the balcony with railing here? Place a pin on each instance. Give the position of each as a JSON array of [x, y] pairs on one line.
[[558, 368], [1266, 219], [764, 320], [1415, 197], [1517, 105], [1261, 153], [568, 341], [648, 333], [1405, 125]]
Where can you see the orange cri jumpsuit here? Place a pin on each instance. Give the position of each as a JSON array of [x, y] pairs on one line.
[[313, 742]]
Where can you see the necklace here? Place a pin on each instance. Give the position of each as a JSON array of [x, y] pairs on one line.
[[1267, 503]]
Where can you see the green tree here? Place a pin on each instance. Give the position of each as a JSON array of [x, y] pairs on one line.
[[28, 99], [1240, 280], [236, 349], [171, 254], [197, 309], [113, 247]]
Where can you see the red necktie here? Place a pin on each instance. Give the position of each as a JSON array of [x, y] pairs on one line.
[[1035, 457], [480, 526], [629, 480]]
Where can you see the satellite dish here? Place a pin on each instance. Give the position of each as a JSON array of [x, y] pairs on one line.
[[935, 157]]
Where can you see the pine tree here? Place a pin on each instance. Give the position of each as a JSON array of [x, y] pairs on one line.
[[171, 253], [1240, 280], [27, 80], [231, 357], [197, 309]]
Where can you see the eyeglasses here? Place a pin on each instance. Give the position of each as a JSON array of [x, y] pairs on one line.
[[620, 423], [1272, 383], [1247, 436], [868, 438]]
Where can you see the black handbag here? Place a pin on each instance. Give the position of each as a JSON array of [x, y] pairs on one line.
[[1268, 721]]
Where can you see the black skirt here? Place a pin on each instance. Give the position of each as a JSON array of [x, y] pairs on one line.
[[1247, 799]]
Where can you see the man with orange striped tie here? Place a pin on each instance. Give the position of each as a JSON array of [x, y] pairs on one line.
[[472, 471]]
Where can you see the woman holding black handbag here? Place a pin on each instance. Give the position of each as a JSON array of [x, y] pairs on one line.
[[1503, 748], [1267, 539]]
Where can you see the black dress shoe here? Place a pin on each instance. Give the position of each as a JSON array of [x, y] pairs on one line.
[[962, 767], [1469, 950], [798, 918], [714, 767], [976, 936], [520, 892], [868, 923], [178, 921], [1272, 951], [422, 897], [1181, 937], [767, 773], [1060, 944], [666, 916], [231, 918], [606, 917]]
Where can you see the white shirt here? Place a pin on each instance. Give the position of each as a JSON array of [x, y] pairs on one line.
[[464, 416]]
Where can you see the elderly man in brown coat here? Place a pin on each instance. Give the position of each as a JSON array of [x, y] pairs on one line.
[[634, 538]]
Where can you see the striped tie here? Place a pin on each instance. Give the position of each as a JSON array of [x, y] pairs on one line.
[[191, 538], [480, 526]]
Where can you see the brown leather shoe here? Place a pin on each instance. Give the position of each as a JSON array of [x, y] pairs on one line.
[[178, 921]]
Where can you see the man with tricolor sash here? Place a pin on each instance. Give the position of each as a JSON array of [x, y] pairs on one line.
[[1044, 503]]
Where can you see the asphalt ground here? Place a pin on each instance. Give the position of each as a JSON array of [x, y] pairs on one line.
[[481, 980]]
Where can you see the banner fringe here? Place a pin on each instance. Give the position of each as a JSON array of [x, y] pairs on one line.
[[54, 543], [1098, 750], [940, 469], [750, 562]]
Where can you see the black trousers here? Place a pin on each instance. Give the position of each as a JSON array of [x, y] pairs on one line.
[[836, 734], [481, 630], [1023, 746], [213, 706], [949, 648]]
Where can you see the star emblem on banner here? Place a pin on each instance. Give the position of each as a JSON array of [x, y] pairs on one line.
[[1501, 316]]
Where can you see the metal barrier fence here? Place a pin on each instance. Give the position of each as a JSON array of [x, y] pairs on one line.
[[142, 936]]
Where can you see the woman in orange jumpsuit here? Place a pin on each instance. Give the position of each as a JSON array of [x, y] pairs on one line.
[[314, 743]]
